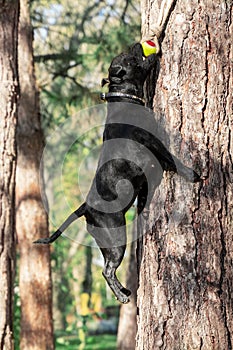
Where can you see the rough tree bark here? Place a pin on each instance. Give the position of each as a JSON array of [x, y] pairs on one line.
[[8, 109], [31, 218], [186, 277]]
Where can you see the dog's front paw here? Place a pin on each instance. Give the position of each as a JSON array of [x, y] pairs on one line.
[[188, 173], [191, 175], [196, 177]]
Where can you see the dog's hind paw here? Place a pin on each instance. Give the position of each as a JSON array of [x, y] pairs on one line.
[[123, 299], [123, 296]]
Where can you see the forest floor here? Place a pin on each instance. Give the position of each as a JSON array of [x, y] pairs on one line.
[[94, 342]]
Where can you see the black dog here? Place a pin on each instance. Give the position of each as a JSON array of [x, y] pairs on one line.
[[131, 164]]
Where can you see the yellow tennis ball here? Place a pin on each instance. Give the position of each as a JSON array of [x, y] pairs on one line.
[[148, 48]]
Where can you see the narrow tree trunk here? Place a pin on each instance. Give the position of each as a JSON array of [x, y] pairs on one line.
[[186, 276], [31, 219], [88, 280], [127, 329], [8, 110]]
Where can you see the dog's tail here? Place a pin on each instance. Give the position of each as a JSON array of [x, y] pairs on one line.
[[74, 216]]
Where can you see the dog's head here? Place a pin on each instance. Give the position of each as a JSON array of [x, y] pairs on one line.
[[128, 71]]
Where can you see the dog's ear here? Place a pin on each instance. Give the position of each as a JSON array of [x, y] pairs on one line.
[[104, 81]]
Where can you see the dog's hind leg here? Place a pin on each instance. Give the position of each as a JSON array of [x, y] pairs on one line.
[[113, 257], [111, 239]]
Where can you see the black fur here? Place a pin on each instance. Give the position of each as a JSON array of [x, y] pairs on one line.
[[132, 160]]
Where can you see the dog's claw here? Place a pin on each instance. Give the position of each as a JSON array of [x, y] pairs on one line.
[[189, 174], [195, 177], [123, 299]]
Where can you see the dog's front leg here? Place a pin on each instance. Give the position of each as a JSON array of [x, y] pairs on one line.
[[167, 161]]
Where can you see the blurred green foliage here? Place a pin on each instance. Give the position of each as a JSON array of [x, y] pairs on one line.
[[74, 45]]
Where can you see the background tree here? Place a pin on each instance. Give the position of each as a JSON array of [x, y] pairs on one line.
[[73, 50], [9, 12], [74, 47], [127, 328], [186, 278], [31, 218]]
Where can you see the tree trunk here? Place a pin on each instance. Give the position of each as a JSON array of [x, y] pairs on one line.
[[186, 276], [9, 12], [127, 328], [88, 280], [31, 218]]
